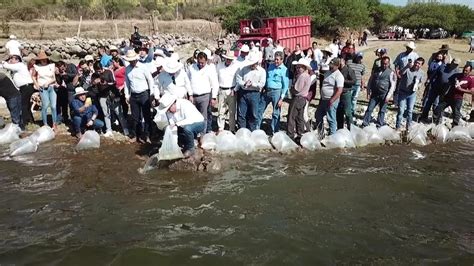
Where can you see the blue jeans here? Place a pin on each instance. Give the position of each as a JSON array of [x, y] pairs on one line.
[[187, 134], [374, 101], [80, 122], [14, 106], [248, 104], [48, 99], [406, 102], [355, 95], [330, 111], [432, 99], [270, 96]]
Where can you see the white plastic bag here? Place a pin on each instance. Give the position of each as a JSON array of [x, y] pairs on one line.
[[388, 133], [359, 136], [471, 129], [336, 140], [90, 140], [459, 133], [417, 134], [245, 142], [349, 140], [43, 134], [161, 120], [169, 149], [283, 143], [226, 142], [440, 133], [9, 133], [260, 139], [209, 141], [310, 141], [23, 146]]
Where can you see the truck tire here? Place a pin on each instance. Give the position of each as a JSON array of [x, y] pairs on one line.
[[256, 23]]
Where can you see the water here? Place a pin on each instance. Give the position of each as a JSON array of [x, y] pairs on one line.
[[376, 205]]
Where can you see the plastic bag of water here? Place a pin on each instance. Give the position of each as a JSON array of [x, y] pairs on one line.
[[359, 136], [9, 133], [226, 142], [169, 149], [23, 146], [260, 139], [336, 140], [283, 143], [246, 144], [208, 141], [440, 133], [347, 136], [90, 140], [161, 120], [310, 141], [417, 135], [388, 133], [43, 134], [459, 133]]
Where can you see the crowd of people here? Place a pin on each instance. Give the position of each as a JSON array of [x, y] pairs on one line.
[[155, 84]]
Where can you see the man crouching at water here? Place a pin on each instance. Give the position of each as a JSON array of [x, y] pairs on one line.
[[184, 115], [84, 113]]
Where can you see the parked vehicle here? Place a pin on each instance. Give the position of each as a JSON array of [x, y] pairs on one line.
[[386, 35], [438, 33], [288, 30]]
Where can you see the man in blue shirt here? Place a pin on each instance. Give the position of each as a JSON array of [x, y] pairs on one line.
[[432, 68], [275, 91], [84, 113], [105, 59]]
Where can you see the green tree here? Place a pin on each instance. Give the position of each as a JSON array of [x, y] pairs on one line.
[[383, 16], [429, 15]]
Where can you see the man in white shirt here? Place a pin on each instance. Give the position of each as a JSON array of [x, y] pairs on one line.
[[226, 71], [23, 81], [250, 80], [317, 53], [173, 80], [204, 85], [334, 47], [184, 115], [13, 46], [138, 85], [333, 84]]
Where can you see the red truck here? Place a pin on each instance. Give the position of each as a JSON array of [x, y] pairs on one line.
[[288, 30]]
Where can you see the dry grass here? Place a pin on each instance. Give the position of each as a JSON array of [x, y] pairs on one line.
[[105, 29]]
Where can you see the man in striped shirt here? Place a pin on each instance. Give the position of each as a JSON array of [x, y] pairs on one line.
[[359, 70]]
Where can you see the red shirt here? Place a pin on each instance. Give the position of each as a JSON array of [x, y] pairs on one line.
[[120, 77], [465, 82]]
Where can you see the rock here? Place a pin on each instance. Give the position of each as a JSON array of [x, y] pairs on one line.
[[86, 46], [75, 49], [3, 50], [93, 42]]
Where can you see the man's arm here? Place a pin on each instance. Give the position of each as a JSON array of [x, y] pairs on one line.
[[393, 83], [285, 85]]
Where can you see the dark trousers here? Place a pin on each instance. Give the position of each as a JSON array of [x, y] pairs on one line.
[[209, 117], [14, 106], [248, 107], [80, 122], [187, 134], [26, 92], [373, 102], [455, 104], [296, 123], [344, 110], [140, 107], [202, 104], [124, 103], [62, 104]]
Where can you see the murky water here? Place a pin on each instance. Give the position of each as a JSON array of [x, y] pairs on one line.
[[377, 205]]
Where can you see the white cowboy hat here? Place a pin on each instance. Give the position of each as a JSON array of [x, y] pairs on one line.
[[12, 37], [252, 59], [303, 62], [159, 52], [170, 49], [174, 56], [327, 49], [80, 91], [113, 48], [89, 58], [172, 66], [229, 55], [245, 48], [131, 56], [208, 54], [166, 101], [411, 45]]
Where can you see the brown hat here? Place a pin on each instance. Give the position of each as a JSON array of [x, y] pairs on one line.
[[444, 47], [42, 55]]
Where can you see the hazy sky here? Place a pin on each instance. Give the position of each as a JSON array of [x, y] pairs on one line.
[[469, 3]]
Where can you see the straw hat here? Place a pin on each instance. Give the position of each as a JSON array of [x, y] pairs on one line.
[[228, 55], [411, 45], [113, 48], [327, 49], [166, 101], [42, 56], [302, 62], [245, 48], [80, 91], [89, 58], [252, 59], [208, 54], [172, 66], [159, 52], [444, 47], [131, 56]]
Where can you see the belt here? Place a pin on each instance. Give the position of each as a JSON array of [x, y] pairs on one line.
[[140, 93], [223, 88], [198, 95], [270, 89], [24, 86]]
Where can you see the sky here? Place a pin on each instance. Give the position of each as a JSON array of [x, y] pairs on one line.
[[469, 3]]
